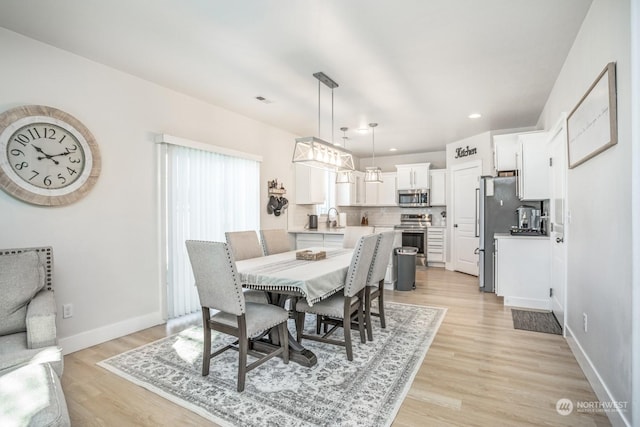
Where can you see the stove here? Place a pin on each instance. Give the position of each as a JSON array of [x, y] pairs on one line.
[[414, 221], [414, 233]]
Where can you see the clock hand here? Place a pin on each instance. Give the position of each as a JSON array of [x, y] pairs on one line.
[[45, 155], [66, 153]]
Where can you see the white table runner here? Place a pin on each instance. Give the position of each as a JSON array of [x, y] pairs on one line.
[[315, 280]]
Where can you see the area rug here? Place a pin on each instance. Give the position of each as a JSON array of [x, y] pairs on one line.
[[335, 392], [537, 321]]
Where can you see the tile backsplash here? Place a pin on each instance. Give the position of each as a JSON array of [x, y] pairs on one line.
[[376, 215]]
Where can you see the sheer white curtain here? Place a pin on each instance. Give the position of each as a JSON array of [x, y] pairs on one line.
[[207, 194]]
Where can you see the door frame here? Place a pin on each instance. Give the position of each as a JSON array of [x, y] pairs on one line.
[[560, 128], [452, 207]]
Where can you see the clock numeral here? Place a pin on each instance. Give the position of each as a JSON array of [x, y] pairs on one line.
[[16, 152], [33, 131], [72, 148], [35, 173], [71, 160], [47, 180], [52, 133], [71, 171], [62, 179], [22, 165], [62, 139], [21, 139]]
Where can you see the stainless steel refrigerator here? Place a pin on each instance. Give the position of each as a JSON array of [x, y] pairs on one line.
[[497, 214]]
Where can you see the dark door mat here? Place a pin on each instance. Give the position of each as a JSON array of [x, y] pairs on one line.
[[537, 321]]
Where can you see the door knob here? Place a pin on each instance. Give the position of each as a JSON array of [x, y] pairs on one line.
[[455, 225], [559, 240]]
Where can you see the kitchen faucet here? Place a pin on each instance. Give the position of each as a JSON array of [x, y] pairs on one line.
[[333, 223]]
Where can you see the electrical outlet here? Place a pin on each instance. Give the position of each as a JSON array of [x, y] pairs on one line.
[[585, 323], [67, 311]]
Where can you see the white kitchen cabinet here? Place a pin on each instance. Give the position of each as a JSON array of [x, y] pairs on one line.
[[310, 185], [438, 187], [309, 240], [435, 245], [413, 176], [318, 239], [522, 270], [381, 194], [505, 150], [532, 163], [351, 194]]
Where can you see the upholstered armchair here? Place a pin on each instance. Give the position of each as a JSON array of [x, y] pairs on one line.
[[30, 359], [27, 308]]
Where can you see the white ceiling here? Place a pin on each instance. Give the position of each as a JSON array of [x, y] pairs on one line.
[[416, 67]]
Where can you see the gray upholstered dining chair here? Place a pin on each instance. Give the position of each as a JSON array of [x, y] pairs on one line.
[[339, 309], [375, 285], [219, 288], [352, 234], [275, 241], [244, 244]]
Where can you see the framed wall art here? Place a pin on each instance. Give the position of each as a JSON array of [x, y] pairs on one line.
[[592, 126]]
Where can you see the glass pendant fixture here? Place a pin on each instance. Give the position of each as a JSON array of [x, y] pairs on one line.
[[373, 174], [313, 151], [344, 177]]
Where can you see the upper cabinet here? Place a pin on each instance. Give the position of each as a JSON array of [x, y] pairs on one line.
[[351, 194], [505, 148], [438, 187], [310, 185], [382, 194], [532, 164], [413, 176]]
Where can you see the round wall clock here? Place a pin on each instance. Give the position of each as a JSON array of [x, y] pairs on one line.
[[47, 157]]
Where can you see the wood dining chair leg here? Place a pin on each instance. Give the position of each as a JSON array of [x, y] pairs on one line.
[[243, 347], [383, 322], [319, 324], [284, 342], [206, 352], [346, 327], [367, 313], [363, 338]]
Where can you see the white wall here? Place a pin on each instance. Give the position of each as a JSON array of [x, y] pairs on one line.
[[599, 201], [388, 163], [106, 252]]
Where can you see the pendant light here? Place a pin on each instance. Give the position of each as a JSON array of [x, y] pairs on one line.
[[313, 151], [344, 177], [373, 174]]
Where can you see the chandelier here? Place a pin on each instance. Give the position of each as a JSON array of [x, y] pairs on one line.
[[313, 151]]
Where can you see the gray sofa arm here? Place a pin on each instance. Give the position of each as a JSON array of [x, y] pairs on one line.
[[41, 320]]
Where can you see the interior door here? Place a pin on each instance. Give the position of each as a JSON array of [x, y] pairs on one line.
[[557, 216], [464, 186]]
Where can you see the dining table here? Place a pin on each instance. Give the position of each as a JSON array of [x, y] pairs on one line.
[[283, 276]]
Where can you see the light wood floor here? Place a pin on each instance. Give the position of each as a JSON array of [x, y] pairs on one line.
[[479, 371]]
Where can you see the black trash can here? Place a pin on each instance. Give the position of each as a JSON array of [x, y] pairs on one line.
[[406, 260]]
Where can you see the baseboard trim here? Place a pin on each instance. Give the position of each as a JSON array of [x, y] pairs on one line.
[[617, 418], [105, 333], [538, 304]]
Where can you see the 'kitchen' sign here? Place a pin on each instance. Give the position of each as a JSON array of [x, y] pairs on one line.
[[465, 152]]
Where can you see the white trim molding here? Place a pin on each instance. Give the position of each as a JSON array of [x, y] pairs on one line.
[[109, 332]]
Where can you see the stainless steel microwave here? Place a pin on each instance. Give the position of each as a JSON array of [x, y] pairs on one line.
[[413, 198]]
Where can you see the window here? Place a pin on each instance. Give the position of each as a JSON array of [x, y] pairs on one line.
[[330, 200], [206, 194]]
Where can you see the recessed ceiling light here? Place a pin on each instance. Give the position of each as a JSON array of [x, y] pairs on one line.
[[363, 130], [475, 115], [393, 149]]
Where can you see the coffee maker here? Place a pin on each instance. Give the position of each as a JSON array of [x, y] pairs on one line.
[[529, 218]]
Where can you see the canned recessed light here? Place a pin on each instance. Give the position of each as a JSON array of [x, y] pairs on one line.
[[393, 149], [475, 115]]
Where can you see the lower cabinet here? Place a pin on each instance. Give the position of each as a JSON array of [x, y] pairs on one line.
[[318, 239], [522, 271], [435, 245]]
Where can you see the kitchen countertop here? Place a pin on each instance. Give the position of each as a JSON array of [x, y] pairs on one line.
[[511, 236], [320, 230]]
